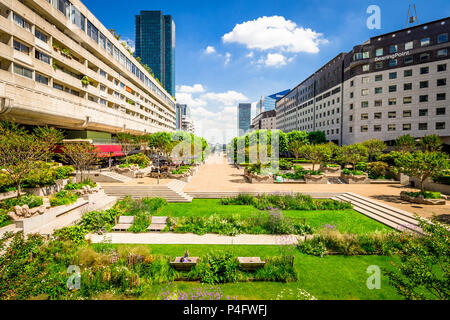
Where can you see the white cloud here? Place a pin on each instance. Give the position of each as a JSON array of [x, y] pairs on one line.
[[275, 32], [250, 54], [275, 60], [229, 98], [210, 49], [227, 58], [130, 43], [190, 89]]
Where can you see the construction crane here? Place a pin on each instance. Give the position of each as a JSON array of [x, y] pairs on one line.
[[412, 18]]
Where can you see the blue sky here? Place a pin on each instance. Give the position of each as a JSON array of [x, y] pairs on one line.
[[237, 51]]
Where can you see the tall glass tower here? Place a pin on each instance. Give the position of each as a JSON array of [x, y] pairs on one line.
[[244, 115], [155, 45]]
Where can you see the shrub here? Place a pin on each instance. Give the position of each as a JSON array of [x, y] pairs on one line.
[[240, 200], [78, 186], [278, 269], [96, 221], [30, 200], [139, 159], [285, 164], [361, 166], [4, 219], [217, 267], [63, 198], [353, 172], [377, 169], [425, 194], [314, 248], [74, 234]]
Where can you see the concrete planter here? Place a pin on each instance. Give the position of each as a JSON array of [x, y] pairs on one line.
[[48, 190], [421, 200], [331, 170], [253, 178], [313, 179], [351, 179], [8, 195]]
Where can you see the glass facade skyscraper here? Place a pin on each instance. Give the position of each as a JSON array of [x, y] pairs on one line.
[[244, 116], [268, 103], [155, 45]]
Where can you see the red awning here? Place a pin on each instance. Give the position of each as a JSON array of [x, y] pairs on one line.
[[105, 151]]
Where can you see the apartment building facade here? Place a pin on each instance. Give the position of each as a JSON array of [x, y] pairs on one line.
[[391, 85], [60, 66], [266, 120]]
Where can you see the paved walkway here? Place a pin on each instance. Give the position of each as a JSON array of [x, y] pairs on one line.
[[189, 238], [217, 175]]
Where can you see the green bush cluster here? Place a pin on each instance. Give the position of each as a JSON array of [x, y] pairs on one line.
[[425, 194], [78, 186], [181, 170], [30, 200], [279, 269], [63, 198], [215, 268], [287, 202], [139, 159], [353, 172]]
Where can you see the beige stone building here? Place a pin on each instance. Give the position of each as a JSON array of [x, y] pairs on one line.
[[60, 66]]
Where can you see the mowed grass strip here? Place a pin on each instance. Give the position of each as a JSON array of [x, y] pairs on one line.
[[328, 278], [344, 220]]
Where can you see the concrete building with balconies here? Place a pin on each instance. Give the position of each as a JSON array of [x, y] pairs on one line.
[[60, 66]]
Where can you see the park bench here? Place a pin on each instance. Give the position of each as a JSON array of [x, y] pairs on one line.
[[124, 223], [157, 224], [251, 263], [186, 265]]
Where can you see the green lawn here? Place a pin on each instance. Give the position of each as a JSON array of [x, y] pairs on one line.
[[344, 220], [331, 277]]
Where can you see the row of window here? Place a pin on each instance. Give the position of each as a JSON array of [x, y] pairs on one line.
[[406, 100], [405, 127], [406, 114]]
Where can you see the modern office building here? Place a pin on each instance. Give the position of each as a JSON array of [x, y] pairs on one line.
[[184, 120], [266, 120], [155, 45], [268, 103], [244, 116], [391, 85], [60, 66]]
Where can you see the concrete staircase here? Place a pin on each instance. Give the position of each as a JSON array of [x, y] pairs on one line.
[[172, 192], [395, 218], [115, 177]]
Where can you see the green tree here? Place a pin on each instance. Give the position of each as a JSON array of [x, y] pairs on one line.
[[127, 141], [317, 137], [424, 269], [352, 154], [316, 153], [374, 147], [405, 143], [431, 143], [296, 139], [422, 165], [81, 155], [20, 152]]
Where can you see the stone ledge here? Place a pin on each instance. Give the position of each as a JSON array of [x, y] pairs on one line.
[[421, 200]]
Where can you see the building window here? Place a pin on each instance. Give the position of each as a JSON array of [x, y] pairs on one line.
[[407, 114], [352, 83], [364, 92], [378, 90], [102, 73], [379, 65], [423, 126], [377, 115], [378, 103], [78, 18], [364, 128], [423, 84], [22, 71], [393, 49], [409, 60], [366, 67], [407, 86], [425, 70], [41, 79], [440, 111], [18, 46], [407, 100], [393, 75], [393, 63], [42, 56], [424, 57], [379, 77], [407, 127], [350, 129], [364, 116], [377, 128], [423, 98], [391, 127], [409, 45], [21, 22], [393, 88], [92, 31], [366, 55], [379, 52], [364, 104], [423, 112], [392, 101], [443, 38], [440, 96], [408, 73], [442, 67], [38, 34], [440, 125], [441, 82], [442, 53], [392, 115], [351, 106], [350, 118], [365, 79], [425, 42]]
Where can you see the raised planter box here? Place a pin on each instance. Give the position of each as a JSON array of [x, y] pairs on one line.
[[331, 170], [259, 179], [421, 200], [312, 179], [351, 179], [48, 190]]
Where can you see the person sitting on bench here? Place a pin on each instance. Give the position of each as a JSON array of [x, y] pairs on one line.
[[185, 257]]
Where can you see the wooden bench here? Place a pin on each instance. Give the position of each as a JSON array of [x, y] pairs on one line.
[[124, 223], [186, 265], [251, 263], [157, 223]]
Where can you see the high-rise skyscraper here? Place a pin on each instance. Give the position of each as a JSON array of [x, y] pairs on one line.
[[244, 116], [155, 45], [268, 103]]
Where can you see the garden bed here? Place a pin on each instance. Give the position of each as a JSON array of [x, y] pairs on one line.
[[419, 198]]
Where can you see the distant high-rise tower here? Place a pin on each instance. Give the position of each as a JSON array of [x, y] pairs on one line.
[[155, 45], [244, 116]]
